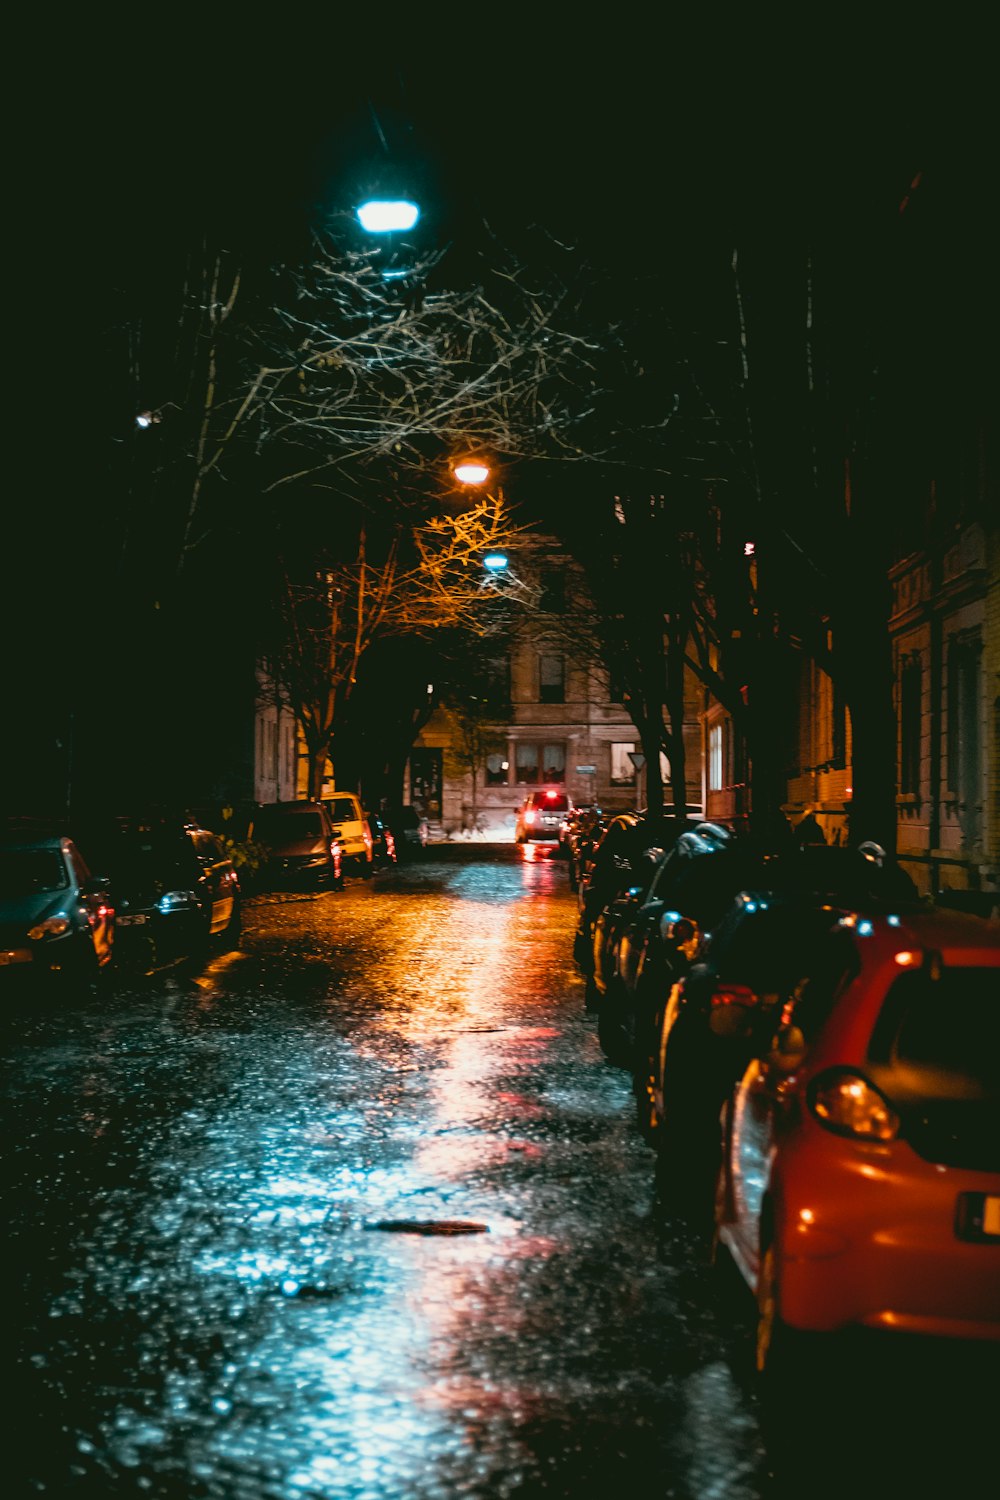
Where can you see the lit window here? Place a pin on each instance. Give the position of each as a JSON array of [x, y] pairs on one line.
[[622, 769], [715, 758]]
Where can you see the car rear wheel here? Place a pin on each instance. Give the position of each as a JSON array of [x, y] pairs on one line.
[[616, 1025]]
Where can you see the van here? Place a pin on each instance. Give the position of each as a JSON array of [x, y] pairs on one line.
[[541, 815], [350, 828]]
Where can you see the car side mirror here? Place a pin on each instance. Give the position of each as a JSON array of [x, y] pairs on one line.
[[787, 1050], [679, 932]]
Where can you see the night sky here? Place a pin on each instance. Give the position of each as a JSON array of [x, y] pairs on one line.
[[653, 143]]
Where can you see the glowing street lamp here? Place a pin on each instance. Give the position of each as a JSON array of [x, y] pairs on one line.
[[471, 471], [495, 562], [387, 215]]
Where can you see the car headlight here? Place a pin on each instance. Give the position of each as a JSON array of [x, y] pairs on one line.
[[177, 900], [53, 926]]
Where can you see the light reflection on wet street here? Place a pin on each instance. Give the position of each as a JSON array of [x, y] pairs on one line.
[[208, 1189]]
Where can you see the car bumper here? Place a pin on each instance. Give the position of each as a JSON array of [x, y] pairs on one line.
[[877, 1239]]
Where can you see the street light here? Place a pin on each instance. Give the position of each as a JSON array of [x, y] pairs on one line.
[[386, 215], [471, 471], [495, 562]]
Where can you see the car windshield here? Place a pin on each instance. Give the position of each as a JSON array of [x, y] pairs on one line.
[[26, 872], [342, 810], [287, 823], [551, 802]]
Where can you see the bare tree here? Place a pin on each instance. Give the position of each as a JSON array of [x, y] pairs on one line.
[[416, 580]]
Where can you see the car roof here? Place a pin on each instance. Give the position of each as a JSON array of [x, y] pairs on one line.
[[933, 928], [38, 841]]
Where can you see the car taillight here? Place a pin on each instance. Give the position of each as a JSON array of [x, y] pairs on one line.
[[846, 1103], [732, 994], [529, 816]]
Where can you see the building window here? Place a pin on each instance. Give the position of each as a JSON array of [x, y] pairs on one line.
[[910, 724], [497, 681], [553, 591], [536, 762], [715, 758], [622, 769], [551, 679], [497, 770], [963, 736]]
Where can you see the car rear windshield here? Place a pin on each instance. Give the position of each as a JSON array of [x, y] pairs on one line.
[[342, 810], [30, 871], [136, 856], [948, 1025], [772, 946], [552, 802], [287, 822]]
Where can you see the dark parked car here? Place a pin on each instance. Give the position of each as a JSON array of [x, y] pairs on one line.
[[410, 831], [57, 920], [583, 830], [634, 950], [176, 889], [300, 842], [692, 889], [383, 841], [716, 1012]]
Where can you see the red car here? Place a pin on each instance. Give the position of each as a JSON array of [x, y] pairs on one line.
[[860, 1182]]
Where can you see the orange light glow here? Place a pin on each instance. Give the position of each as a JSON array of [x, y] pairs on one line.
[[906, 958], [471, 471]]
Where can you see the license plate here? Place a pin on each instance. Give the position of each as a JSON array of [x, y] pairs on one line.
[[15, 956], [978, 1216], [136, 920]]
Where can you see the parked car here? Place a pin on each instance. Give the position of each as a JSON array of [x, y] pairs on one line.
[[715, 1012], [632, 915], [583, 828], [860, 1180], [631, 849], [541, 815], [57, 919], [410, 830], [383, 841], [351, 830], [176, 889], [300, 842], [695, 888]]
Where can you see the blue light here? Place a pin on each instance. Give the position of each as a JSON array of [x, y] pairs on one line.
[[865, 929], [495, 562], [893, 921], [382, 216]]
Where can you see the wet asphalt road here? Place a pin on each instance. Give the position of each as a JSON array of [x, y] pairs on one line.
[[233, 1202]]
